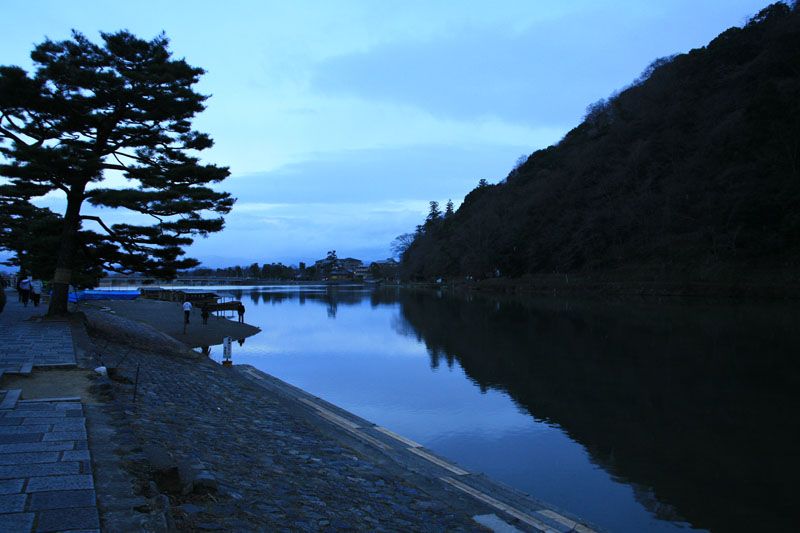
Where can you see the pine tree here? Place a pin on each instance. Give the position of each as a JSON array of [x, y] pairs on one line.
[[123, 108]]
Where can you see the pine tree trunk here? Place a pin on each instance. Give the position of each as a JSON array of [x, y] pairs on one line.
[[66, 254]]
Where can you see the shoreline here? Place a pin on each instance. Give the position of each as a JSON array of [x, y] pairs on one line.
[[573, 286], [263, 450], [167, 318], [576, 286]]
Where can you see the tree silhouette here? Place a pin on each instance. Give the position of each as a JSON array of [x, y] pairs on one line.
[[90, 112]]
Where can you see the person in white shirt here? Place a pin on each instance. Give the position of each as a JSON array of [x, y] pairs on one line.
[[187, 309], [24, 289], [36, 291]]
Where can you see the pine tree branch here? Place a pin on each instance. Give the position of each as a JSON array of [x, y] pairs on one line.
[[10, 135], [128, 244]]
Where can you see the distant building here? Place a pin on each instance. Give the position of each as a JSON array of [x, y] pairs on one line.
[[386, 269], [340, 275], [362, 271], [350, 264]]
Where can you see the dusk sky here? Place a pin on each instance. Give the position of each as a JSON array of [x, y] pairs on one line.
[[341, 120]]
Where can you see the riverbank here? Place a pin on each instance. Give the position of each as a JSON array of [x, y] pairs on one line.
[[578, 286], [248, 452], [166, 318]]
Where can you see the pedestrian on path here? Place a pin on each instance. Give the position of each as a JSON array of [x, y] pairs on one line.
[[2, 298], [25, 290], [204, 313], [187, 310], [36, 291], [240, 310]]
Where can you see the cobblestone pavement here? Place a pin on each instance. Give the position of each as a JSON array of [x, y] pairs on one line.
[[255, 466], [254, 453], [28, 340]]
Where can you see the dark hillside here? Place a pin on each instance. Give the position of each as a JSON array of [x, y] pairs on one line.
[[690, 174]]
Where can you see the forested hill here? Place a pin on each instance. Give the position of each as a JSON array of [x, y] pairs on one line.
[[692, 173]]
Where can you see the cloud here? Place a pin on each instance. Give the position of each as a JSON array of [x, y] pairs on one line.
[[424, 172], [355, 202], [543, 74]]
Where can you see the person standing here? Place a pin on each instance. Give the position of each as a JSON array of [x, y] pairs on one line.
[[187, 310], [240, 310], [204, 313], [24, 290], [36, 291]]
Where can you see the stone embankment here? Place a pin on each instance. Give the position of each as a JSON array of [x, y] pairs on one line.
[[231, 456], [176, 442]]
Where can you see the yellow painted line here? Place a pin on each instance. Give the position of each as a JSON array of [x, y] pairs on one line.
[[358, 434], [402, 439], [497, 504], [435, 460], [330, 415], [572, 524]]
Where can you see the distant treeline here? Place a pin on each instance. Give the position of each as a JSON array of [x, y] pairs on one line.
[[692, 173], [273, 271]]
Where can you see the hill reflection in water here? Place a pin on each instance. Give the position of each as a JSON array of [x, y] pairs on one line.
[[694, 405], [691, 407]]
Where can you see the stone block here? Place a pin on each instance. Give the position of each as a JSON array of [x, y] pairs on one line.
[[34, 406], [16, 430], [77, 518], [39, 469], [62, 499], [11, 486], [12, 503], [76, 455], [16, 439], [35, 420], [28, 413], [64, 435], [51, 483], [25, 447], [70, 424], [16, 522], [28, 458], [164, 468]]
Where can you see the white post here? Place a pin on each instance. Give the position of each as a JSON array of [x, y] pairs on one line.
[[226, 352]]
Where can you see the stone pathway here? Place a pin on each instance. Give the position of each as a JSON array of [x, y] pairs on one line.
[[46, 479], [27, 340]]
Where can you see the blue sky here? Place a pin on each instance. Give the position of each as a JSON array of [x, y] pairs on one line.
[[341, 120]]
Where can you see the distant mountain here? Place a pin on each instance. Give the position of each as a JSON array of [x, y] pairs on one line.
[[691, 174]]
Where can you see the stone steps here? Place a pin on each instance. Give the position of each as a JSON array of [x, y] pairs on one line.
[[10, 398]]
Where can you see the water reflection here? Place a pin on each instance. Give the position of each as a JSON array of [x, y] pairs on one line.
[[332, 296], [690, 407], [694, 406]]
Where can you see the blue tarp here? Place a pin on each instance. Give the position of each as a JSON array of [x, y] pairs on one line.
[[103, 295]]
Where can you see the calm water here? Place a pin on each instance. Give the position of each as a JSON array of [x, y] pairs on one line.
[[640, 417]]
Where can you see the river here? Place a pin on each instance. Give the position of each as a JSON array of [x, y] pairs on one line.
[[637, 415]]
